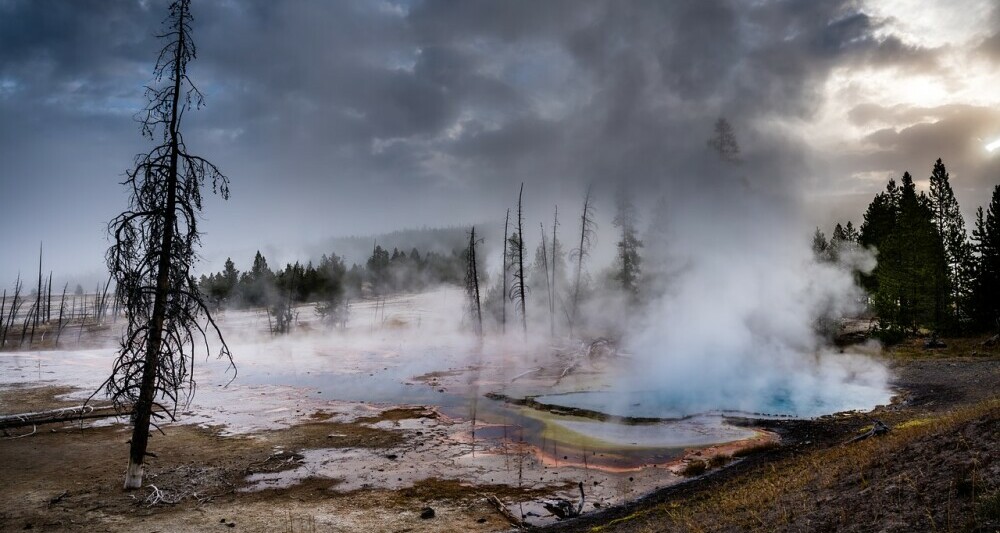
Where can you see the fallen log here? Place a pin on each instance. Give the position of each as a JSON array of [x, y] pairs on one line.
[[522, 374], [502, 509], [65, 414], [567, 370], [878, 428]]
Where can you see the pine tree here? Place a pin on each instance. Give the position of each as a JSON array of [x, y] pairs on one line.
[[378, 269], [820, 247], [986, 281], [851, 234], [724, 142], [879, 223], [910, 294], [843, 240], [629, 261], [255, 285], [230, 275], [958, 251]]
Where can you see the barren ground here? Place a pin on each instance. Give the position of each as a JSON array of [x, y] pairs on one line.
[[358, 467]]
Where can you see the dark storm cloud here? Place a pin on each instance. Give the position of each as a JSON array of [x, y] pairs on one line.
[[656, 74], [412, 109]]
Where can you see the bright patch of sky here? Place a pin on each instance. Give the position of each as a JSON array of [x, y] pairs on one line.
[[932, 24]]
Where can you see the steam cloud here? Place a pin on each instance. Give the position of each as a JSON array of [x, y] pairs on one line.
[[736, 326]]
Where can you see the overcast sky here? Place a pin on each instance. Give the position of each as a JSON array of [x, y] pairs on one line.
[[341, 118]]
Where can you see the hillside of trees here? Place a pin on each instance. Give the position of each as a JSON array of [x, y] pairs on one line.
[[932, 275]]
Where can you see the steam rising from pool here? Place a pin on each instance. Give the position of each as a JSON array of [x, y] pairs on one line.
[[736, 326]]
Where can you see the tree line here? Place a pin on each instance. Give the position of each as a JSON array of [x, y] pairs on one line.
[[931, 274], [329, 283]]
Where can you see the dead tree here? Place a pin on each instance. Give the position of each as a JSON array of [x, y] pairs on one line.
[[97, 303], [503, 274], [153, 251], [548, 282], [552, 284], [62, 309], [281, 309], [587, 228], [472, 283], [517, 289], [15, 306], [29, 321], [48, 301], [101, 302], [64, 414], [38, 294], [878, 428]]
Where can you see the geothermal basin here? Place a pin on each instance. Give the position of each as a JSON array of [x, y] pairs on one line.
[[544, 416]]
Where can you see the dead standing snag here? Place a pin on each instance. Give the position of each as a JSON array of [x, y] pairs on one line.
[[472, 284], [517, 290], [587, 230], [153, 251]]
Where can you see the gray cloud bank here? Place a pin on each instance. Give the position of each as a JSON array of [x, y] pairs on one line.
[[341, 118]]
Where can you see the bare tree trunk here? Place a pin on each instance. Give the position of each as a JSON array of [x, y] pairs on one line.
[[3, 307], [586, 230], [62, 308], [83, 318], [503, 274], [472, 283], [48, 302], [38, 295], [520, 261], [104, 300], [15, 306], [548, 283], [552, 300], [29, 321]]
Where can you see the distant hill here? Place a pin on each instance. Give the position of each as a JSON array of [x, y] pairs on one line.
[[357, 248]]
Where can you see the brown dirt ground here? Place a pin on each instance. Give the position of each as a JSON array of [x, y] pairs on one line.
[[937, 470], [68, 477]]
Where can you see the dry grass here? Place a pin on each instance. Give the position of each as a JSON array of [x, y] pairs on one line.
[[913, 348], [693, 468], [988, 506], [789, 487], [761, 447], [719, 460]]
